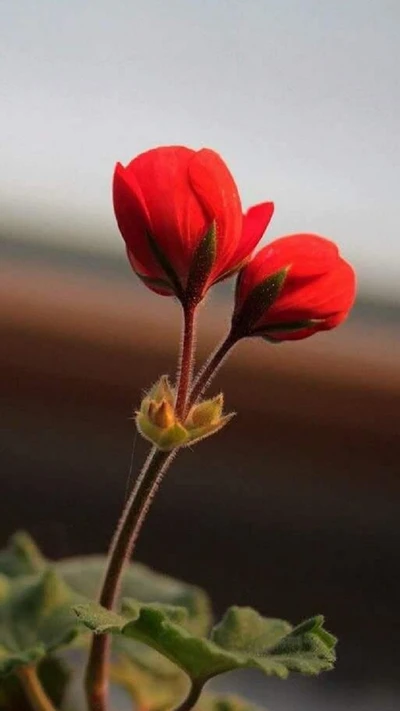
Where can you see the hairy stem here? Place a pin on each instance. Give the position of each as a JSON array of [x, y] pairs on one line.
[[136, 510], [34, 690], [211, 367], [192, 697], [121, 550], [185, 367]]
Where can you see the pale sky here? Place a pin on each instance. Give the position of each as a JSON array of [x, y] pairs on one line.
[[301, 98]]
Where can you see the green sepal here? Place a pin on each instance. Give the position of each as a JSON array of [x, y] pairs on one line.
[[257, 303], [161, 390], [172, 438], [166, 266], [205, 418], [243, 639], [165, 439], [271, 333], [157, 284], [36, 619], [198, 433], [201, 266], [206, 412]]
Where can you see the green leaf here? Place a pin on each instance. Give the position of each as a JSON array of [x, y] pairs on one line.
[[145, 658], [243, 639], [84, 575], [36, 619], [243, 629], [21, 556]]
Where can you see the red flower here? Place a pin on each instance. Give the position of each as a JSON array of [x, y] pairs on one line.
[[180, 215], [293, 287]]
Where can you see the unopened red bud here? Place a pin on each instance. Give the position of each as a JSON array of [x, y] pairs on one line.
[[292, 288]]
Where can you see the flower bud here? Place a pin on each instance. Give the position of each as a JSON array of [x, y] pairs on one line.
[[157, 421], [292, 288], [167, 437], [161, 414], [206, 412], [180, 215], [205, 418]]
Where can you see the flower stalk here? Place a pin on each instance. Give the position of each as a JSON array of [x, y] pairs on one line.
[[130, 525], [211, 367], [121, 550], [185, 368], [136, 509]]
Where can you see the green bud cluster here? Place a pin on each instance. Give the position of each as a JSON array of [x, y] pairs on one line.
[[157, 422]]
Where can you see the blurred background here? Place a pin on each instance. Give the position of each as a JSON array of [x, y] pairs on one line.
[[294, 508]]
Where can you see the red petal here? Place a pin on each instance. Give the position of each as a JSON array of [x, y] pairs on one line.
[[308, 255], [216, 190], [133, 220], [177, 220], [255, 223], [323, 297], [324, 325]]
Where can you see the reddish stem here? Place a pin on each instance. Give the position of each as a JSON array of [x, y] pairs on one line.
[[211, 367], [136, 510], [185, 368], [121, 550]]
